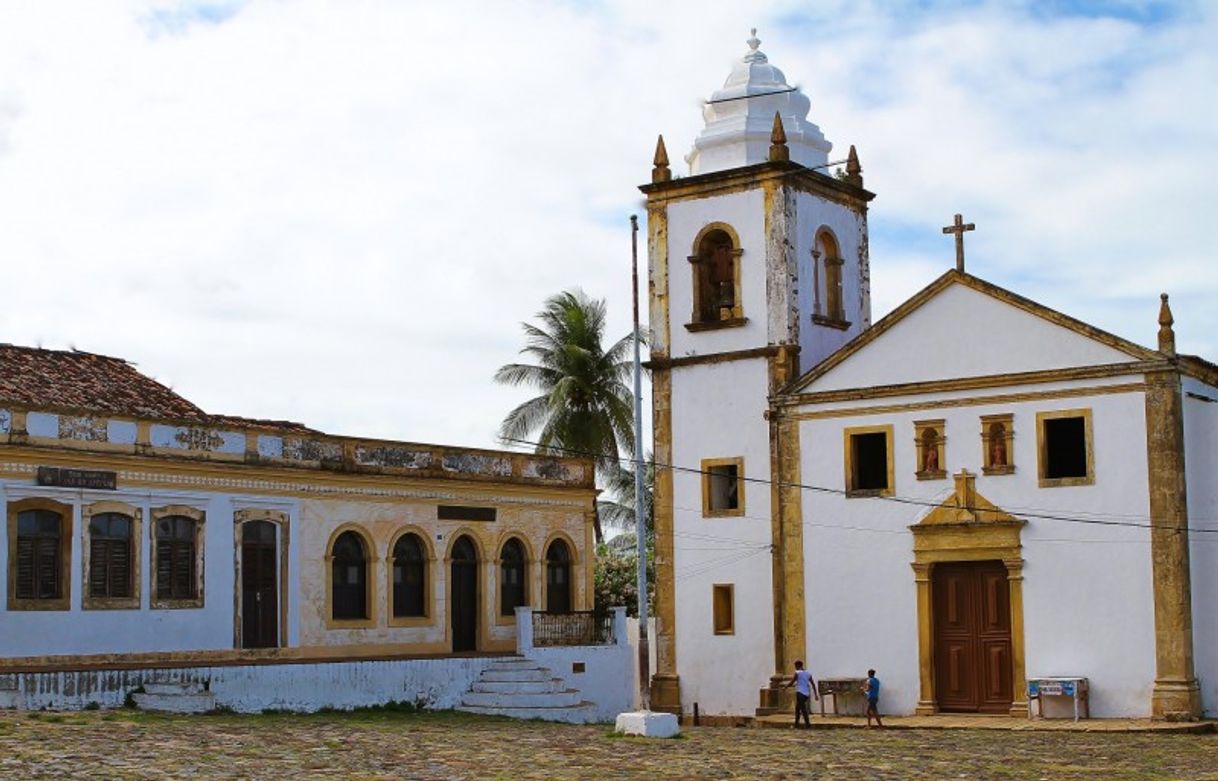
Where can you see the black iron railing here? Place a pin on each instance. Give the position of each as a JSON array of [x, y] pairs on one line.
[[577, 628]]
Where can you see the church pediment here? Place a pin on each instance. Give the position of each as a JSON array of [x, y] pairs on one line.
[[966, 525], [959, 327]]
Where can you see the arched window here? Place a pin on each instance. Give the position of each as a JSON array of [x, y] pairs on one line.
[[409, 577], [512, 571], [349, 599], [39, 555], [829, 258], [716, 267], [558, 577], [175, 558], [110, 555]]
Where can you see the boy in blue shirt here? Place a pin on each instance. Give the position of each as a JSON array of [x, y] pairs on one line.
[[804, 689], [872, 690]]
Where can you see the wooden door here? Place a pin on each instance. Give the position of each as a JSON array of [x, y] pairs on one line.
[[464, 610], [972, 642], [259, 586]]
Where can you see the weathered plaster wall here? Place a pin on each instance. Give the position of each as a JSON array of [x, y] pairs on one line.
[[1201, 460], [1086, 589], [382, 521], [79, 631], [717, 413], [812, 214], [743, 211]]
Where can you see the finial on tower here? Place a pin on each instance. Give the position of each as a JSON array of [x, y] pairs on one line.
[[1167, 337], [660, 171], [854, 171], [778, 141]]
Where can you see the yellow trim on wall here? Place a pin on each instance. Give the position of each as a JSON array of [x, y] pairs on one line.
[[706, 466], [66, 521], [848, 460], [371, 603], [1042, 455], [429, 579], [967, 527], [200, 519], [723, 608], [136, 514], [1007, 420], [283, 546]]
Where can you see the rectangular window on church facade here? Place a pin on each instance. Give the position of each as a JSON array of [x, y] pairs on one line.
[[868, 459], [1064, 451], [722, 487], [723, 599]]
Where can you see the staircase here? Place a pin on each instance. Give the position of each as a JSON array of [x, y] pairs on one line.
[[521, 689], [175, 697]]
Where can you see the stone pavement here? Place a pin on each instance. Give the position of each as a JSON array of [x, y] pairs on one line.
[[376, 746], [1005, 723]]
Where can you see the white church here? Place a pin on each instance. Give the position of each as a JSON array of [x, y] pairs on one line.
[[974, 493]]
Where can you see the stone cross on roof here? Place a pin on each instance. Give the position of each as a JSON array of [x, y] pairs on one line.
[[959, 227]]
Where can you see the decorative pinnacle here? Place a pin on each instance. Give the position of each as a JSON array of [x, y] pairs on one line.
[[1167, 337], [778, 141], [854, 171], [753, 54], [753, 41], [660, 171]]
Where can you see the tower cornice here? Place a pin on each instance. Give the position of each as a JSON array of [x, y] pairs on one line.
[[753, 177]]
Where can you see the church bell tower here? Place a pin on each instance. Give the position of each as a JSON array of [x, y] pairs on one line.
[[758, 271]]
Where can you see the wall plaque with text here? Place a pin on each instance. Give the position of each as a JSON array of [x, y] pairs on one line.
[[77, 478]]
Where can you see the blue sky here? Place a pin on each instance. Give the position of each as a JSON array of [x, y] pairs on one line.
[[340, 212]]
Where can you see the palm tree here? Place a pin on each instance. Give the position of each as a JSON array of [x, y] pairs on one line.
[[585, 407], [619, 510]]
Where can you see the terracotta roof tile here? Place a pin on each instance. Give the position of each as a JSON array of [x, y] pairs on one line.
[[70, 379]]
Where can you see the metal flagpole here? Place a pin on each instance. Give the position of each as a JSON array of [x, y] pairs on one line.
[[640, 514]]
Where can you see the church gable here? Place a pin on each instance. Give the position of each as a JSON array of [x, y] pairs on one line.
[[960, 326]]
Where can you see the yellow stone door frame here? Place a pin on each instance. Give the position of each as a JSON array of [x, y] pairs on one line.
[[965, 528]]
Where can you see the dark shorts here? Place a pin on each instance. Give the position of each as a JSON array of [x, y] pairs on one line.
[[873, 704]]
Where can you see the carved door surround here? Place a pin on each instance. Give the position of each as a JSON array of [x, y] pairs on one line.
[[967, 528]]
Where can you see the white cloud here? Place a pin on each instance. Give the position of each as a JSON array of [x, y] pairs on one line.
[[340, 212]]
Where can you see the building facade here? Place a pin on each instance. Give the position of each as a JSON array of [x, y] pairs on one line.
[[141, 529], [971, 493]]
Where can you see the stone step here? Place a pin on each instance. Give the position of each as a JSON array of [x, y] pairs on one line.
[[201, 702], [173, 688], [583, 713], [505, 676], [511, 664], [531, 687], [562, 699]]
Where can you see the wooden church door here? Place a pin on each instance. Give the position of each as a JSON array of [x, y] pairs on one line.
[[259, 586], [972, 637], [464, 596]]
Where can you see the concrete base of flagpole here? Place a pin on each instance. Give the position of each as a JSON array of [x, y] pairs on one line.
[[647, 724]]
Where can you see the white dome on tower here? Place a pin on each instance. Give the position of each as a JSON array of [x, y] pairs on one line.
[[740, 116]]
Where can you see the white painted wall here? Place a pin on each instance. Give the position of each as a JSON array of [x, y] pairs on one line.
[[1201, 463], [1087, 589], [744, 212], [1015, 341], [848, 227], [717, 413]]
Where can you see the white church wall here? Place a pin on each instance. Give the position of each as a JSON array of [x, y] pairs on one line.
[[144, 630], [1087, 588], [1014, 341], [812, 214], [1201, 460], [743, 211], [717, 412]]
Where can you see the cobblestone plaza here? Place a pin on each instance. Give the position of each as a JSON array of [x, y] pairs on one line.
[[452, 747]]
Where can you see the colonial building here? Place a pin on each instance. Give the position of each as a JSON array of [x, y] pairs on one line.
[[143, 530], [972, 493]]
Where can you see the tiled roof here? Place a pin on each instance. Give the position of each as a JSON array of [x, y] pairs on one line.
[[69, 379], [259, 423]]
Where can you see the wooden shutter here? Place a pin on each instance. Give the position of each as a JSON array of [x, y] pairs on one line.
[[183, 570], [47, 567], [118, 566], [25, 568], [99, 559]]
